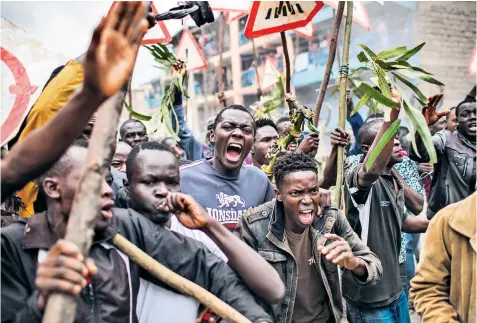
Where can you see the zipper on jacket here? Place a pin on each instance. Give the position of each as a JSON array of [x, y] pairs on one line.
[[92, 298], [325, 280]]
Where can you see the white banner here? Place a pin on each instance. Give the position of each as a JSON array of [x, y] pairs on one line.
[[26, 66]]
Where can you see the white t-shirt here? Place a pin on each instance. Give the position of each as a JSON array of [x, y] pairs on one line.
[[156, 304]]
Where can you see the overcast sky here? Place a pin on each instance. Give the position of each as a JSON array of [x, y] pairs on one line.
[[66, 27]]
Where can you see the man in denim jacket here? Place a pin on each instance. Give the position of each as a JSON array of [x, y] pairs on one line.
[[306, 245]]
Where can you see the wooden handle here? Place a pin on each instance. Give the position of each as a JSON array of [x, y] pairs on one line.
[[181, 284]]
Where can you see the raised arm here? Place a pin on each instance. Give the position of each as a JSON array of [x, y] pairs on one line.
[[108, 65], [339, 137], [188, 143], [431, 116], [248, 264], [366, 177]]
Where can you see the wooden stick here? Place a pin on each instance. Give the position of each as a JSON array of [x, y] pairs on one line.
[[61, 308], [221, 95], [287, 62], [255, 66], [181, 284], [130, 95], [342, 108], [329, 64]]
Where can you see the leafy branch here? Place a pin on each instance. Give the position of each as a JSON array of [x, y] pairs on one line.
[[378, 94]]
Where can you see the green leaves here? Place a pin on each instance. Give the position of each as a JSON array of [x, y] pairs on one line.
[[418, 92], [420, 125], [387, 54], [362, 57], [135, 114], [386, 62], [377, 96], [368, 51], [420, 75], [360, 104], [388, 135], [411, 53]]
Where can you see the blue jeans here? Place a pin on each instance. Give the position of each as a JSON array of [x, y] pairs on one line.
[[396, 312]]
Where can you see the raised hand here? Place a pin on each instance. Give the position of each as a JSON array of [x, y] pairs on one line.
[[113, 50], [64, 270], [339, 252], [339, 137], [429, 110], [187, 210], [310, 143]]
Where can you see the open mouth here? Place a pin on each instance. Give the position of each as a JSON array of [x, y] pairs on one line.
[[306, 217], [473, 126], [234, 151], [106, 209], [401, 153]]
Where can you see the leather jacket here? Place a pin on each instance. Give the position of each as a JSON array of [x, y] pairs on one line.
[[263, 229], [112, 296], [453, 172]]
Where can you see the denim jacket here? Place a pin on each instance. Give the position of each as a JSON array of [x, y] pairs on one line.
[[263, 229]]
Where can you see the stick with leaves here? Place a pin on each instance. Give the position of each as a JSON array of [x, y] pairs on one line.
[[395, 62], [177, 67]]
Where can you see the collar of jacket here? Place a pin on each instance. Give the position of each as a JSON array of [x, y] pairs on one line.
[[463, 220], [277, 220], [40, 234], [466, 141]]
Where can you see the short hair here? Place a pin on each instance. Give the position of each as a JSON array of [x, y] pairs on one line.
[[125, 123], [282, 120], [238, 107], [64, 164], [263, 122], [291, 163], [375, 115], [150, 145], [364, 132]]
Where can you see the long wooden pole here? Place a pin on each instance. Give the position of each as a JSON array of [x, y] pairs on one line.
[[329, 64], [181, 284], [221, 95], [342, 108], [287, 63], [61, 308]]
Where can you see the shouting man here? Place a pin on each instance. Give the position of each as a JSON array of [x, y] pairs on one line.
[[223, 185], [153, 173], [35, 263], [454, 173], [306, 245]]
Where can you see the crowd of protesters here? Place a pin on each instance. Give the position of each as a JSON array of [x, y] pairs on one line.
[[276, 251]]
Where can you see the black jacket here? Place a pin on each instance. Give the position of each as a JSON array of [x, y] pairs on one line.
[[454, 174], [112, 296]]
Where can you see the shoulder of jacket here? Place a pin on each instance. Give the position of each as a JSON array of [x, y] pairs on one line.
[[14, 232], [260, 212]]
